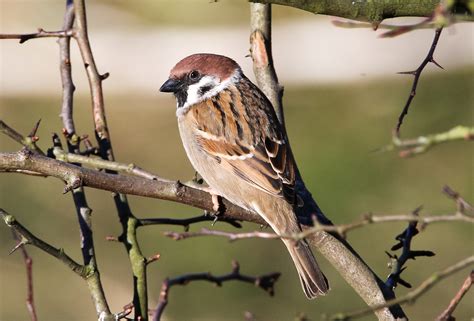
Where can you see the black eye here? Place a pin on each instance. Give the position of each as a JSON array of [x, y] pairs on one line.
[[193, 75]]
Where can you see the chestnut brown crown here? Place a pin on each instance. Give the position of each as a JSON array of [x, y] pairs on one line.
[[206, 64]]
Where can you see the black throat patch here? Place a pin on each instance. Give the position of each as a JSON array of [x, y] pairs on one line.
[[181, 96]]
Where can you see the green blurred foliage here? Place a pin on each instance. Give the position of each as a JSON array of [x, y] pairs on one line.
[[333, 130]]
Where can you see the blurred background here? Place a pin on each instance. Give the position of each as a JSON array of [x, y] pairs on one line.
[[342, 99]]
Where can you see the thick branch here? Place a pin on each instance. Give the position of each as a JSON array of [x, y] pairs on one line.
[[412, 296], [371, 11], [75, 176]]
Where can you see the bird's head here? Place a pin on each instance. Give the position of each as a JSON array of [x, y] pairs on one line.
[[199, 77]]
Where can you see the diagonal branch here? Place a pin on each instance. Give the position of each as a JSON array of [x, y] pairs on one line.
[[413, 295], [29, 238], [416, 74], [265, 282], [447, 315]]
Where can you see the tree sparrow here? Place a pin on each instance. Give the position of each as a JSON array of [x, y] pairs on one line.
[[232, 137]]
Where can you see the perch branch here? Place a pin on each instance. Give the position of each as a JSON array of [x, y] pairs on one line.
[[419, 145], [413, 295], [265, 282], [416, 74], [30, 301], [447, 315]]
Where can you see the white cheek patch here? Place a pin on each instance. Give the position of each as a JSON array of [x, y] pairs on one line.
[[215, 85], [194, 96]]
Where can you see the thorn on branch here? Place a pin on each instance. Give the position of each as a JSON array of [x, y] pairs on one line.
[[265, 282], [153, 258], [397, 264], [417, 73], [127, 309], [104, 76]]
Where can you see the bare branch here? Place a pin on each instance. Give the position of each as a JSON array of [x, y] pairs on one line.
[[417, 73], [65, 69], [28, 141], [100, 163], [66, 33], [188, 221], [339, 229], [265, 282], [261, 53], [421, 144], [413, 295], [28, 238], [30, 302], [447, 315], [128, 221]]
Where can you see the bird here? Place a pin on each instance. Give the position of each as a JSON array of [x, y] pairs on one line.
[[233, 139]]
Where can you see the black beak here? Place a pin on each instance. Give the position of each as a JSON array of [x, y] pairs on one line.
[[170, 86]]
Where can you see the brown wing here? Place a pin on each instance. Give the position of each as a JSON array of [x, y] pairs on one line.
[[258, 153]]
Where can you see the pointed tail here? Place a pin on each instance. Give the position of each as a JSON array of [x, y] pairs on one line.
[[313, 281]]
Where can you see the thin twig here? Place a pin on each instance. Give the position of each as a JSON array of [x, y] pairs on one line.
[[350, 24], [65, 33], [30, 301], [265, 282], [417, 73], [188, 221], [340, 229], [100, 163], [28, 238], [413, 295], [27, 141], [414, 146], [447, 314]]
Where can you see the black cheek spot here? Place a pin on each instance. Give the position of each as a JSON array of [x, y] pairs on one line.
[[204, 89]]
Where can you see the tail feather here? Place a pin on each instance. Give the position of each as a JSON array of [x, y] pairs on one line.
[[312, 279]]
